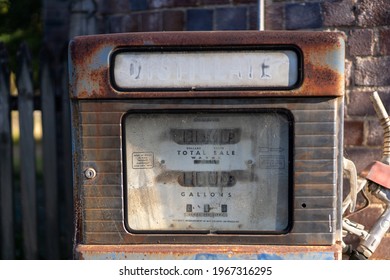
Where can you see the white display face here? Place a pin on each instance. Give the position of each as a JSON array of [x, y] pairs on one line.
[[206, 69], [210, 172]]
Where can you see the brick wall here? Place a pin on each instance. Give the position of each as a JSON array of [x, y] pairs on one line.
[[365, 23], [175, 15]]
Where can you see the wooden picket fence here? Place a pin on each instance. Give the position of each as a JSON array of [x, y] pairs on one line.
[[36, 213]]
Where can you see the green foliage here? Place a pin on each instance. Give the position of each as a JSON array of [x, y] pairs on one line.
[[4, 7], [19, 14], [20, 21]]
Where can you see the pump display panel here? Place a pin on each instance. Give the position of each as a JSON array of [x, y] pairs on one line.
[[203, 171]]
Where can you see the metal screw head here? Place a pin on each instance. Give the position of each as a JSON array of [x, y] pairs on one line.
[[90, 173]]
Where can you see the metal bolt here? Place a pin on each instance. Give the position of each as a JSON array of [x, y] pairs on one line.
[[90, 173]]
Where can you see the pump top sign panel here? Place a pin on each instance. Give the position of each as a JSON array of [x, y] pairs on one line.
[[195, 139]]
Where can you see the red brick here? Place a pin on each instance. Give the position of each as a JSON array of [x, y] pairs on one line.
[[274, 16], [151, 21], [384, 41], [375, 133], [361, 42], [231, 18], [360, 103], [158, 4], [353, 133], [303, 16], [338, 13], [113, 7], [114, 24], [348, 73], [362, 156], [373, 71], [373, 13], [131, 23], [173, 20]]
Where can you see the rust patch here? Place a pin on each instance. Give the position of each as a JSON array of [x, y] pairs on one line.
[[186, 251], [379, 173], [318, 80], [205, 39]]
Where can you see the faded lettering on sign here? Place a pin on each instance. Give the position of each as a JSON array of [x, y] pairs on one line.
[[205, 69]]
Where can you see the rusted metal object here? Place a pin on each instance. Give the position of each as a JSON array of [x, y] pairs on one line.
[[322, 65], [209, 252], [313, 164], [379, 173]]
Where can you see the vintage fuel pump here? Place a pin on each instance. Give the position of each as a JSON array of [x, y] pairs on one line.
[[208, 145]]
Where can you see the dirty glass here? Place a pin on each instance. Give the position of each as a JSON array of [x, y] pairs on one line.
[[207, 171]]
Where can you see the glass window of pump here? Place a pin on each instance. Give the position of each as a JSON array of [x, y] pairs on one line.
[[208, 171]]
